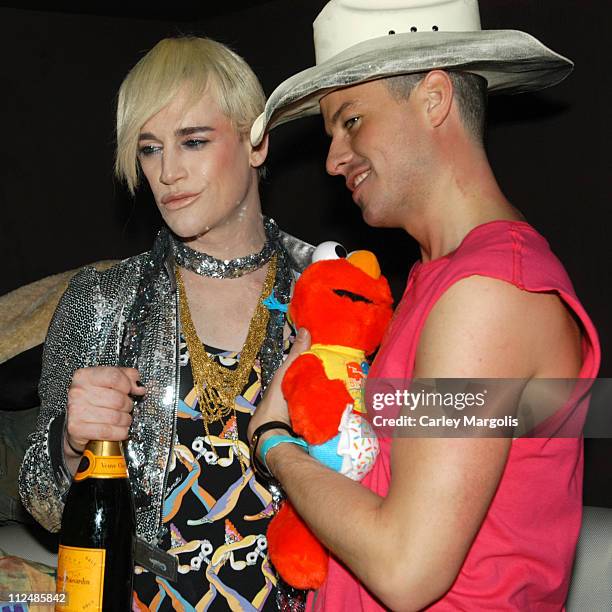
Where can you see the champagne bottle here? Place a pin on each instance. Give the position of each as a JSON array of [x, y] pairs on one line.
[[95, 560]]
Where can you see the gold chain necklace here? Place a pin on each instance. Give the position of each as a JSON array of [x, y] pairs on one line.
[[215, 385]]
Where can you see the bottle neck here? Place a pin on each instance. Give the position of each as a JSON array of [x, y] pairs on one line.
[[104, 448], [102, 459]]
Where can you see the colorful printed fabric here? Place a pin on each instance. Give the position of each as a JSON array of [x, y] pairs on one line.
[[215, 512]]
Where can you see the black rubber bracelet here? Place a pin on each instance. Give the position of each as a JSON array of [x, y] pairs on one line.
[[258, 466], [74, 450]]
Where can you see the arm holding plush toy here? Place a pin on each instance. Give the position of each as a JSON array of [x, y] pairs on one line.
[[407, 548]]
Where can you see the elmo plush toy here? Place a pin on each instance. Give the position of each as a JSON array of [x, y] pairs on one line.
[[346, 305]]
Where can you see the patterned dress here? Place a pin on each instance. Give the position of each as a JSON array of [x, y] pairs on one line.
[[215, 512]]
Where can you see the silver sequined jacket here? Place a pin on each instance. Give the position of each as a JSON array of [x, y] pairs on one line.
[[87, 329]]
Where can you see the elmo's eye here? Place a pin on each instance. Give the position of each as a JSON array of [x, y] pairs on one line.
[[329, 250]]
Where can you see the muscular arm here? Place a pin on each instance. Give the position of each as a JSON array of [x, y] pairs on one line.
[[409, 547]]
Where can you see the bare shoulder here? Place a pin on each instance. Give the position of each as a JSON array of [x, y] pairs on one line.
[[485, 327]]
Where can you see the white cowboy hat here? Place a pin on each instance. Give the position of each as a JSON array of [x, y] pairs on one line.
[[362, 40]]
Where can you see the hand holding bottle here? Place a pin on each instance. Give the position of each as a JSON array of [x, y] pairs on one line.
[[100, 402]]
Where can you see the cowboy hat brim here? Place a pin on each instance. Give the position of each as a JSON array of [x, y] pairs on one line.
[[511, 61]]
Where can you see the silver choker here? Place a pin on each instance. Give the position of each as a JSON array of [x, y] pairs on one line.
[[206, 265]]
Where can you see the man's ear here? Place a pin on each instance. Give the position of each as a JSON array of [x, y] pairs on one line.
[[438, 90], [259, 153]]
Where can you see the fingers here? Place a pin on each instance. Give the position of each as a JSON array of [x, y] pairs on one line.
[[101, 397], [100, 416], [120, 379], [300, 344], [86, 422], [96, 431], [136, 385], [100, 402]]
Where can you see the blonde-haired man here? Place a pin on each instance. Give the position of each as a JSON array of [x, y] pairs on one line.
[[169, 350]]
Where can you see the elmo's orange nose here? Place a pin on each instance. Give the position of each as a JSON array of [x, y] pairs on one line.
[[366, 261]]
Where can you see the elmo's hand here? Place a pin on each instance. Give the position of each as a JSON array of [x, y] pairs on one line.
[[315, 402]]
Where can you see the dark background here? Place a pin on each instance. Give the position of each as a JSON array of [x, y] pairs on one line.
[[61, 208]]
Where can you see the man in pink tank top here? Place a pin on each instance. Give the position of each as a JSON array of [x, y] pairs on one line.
[[450, 523]]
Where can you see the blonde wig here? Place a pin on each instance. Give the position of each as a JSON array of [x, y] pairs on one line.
[[175, 63]]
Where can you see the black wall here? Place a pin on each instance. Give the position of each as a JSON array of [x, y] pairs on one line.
[[61, 208]]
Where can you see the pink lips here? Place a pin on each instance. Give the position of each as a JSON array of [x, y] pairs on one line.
[[174, 201]]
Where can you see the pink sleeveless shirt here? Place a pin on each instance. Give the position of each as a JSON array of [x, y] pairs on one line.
[[522, 555]]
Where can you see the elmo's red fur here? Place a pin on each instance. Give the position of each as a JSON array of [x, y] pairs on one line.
[[339, 304]]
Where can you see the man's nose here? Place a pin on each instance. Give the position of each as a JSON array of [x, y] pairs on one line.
[[172, 168], [338, 157]]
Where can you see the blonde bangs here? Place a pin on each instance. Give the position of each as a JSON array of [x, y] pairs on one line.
[[172, 65]]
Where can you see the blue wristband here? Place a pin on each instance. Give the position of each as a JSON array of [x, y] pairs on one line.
[[273, 441]]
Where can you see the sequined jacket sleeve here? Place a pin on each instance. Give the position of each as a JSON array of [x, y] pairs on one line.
[[84, 327]]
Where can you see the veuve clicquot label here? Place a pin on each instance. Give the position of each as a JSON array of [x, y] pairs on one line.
[[80, 574], [95, 561], [92, 466]]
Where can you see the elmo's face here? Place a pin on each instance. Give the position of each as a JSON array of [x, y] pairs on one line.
[[343, 301]]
